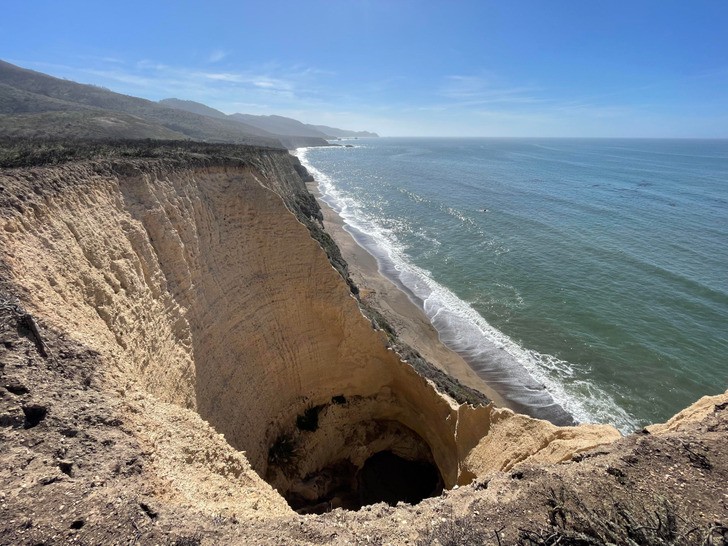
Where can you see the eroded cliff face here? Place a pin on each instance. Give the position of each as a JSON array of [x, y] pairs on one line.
[[198, 283]]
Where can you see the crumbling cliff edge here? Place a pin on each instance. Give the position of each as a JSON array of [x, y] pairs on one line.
[[183, 357]]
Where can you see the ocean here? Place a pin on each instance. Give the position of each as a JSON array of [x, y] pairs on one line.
[[579, 277]]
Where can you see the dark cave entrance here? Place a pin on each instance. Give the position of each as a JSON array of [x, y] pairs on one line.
[[385, 477]]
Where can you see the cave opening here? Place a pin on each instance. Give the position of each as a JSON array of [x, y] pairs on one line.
[[384, 477], [387, 477]]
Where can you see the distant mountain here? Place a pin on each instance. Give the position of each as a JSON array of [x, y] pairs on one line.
[[18, 101], [194, 107], [33, 104], [288, 126], [284, 132], [338, 133], [280, 125], [25, 91]]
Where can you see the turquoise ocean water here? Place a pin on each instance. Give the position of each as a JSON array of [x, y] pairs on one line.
[[579, 277]]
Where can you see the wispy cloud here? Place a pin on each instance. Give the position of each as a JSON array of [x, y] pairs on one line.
[[474, 90], [271, 84], [104, 59], [217, 55], [222, 77], [487, 96], [590, 109], [150, 65], [120, 76]]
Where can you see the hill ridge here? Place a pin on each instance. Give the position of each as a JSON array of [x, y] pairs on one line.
[[33, 104]]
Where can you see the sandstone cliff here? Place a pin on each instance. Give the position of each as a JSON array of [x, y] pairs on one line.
[[179, 335]]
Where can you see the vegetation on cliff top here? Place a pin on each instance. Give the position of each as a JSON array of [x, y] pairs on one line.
[[38, 152]]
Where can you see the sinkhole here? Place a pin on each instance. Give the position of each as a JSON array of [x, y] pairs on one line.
[[202, 288], [350, 463], [385, 477]]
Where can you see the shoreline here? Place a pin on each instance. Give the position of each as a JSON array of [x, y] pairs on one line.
[[411, 324]]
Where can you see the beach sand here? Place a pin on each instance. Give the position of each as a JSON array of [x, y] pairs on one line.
[[409, 321]]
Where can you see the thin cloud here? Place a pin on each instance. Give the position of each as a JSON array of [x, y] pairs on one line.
[[467, 91], [217, 55], [222, 77], [121, 76], [273, 84], [148, 64], [595, 110], [103, 59], [486, 96]]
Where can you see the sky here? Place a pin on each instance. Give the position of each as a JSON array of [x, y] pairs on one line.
[[556, 68]]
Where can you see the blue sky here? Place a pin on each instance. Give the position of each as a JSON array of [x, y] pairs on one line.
[[510, 68]]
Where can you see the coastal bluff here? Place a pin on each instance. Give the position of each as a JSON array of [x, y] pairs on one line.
[[182, 350]]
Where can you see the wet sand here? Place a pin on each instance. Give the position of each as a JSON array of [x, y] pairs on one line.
[[409, 321]]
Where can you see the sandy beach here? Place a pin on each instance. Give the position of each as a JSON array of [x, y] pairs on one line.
[[410, 322]]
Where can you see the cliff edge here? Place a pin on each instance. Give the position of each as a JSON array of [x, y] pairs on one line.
[[183, 359]]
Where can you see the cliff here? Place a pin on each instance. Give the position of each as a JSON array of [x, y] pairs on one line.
[[182, 350]]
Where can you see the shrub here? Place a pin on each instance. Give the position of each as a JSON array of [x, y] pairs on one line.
[[283, 450]]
